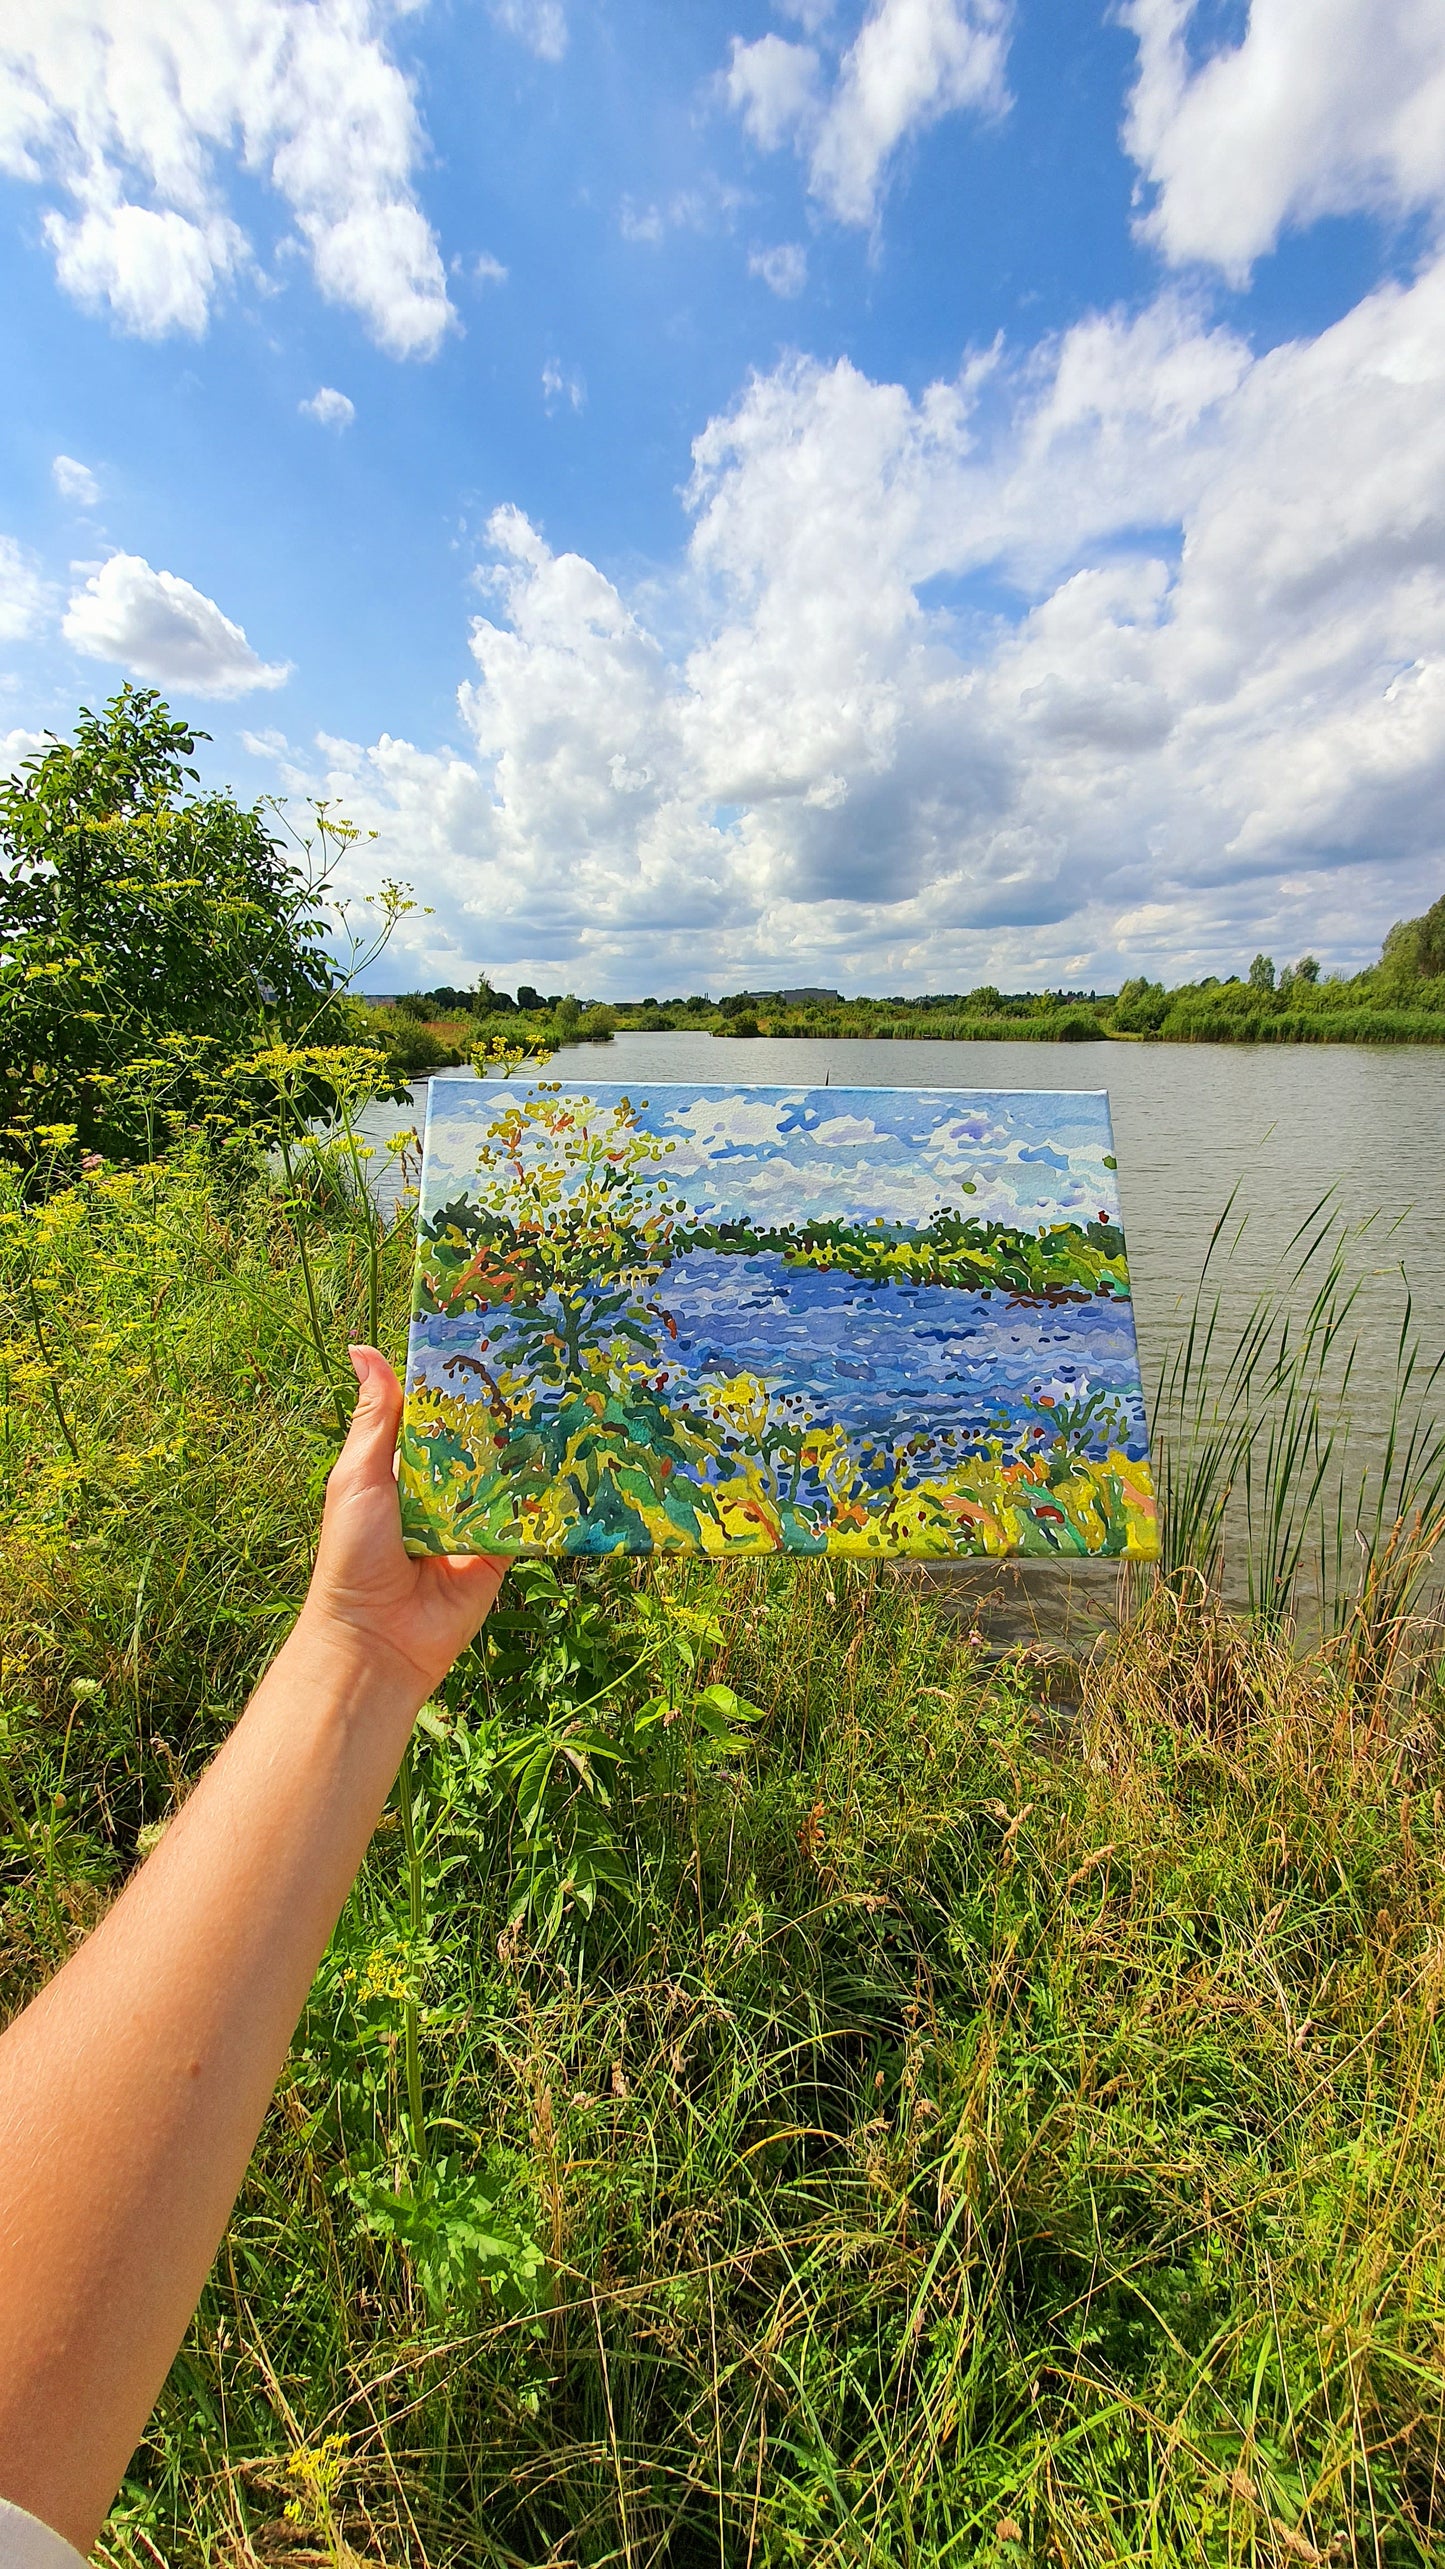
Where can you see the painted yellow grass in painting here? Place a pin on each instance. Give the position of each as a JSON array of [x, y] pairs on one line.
[[456, 1496]]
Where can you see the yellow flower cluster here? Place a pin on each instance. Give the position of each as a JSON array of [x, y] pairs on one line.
[[315, 2472], [384, 1974]]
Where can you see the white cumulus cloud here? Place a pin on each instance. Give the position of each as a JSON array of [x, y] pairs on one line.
[[160, 628], [17, 746], [1322, 107], [329, 408], [1126, 652], [75, 481], [130, 114], [774, 86], [911, 62], [156, 272]]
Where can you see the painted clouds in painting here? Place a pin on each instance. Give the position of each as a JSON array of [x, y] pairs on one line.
[[704, 1317]]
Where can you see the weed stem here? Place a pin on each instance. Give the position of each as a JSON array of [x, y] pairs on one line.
[[416, 1909]]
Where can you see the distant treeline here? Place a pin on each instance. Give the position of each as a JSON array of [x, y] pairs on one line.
[[1399, 1000]]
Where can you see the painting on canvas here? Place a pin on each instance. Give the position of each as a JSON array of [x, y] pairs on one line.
[[716, 1318]]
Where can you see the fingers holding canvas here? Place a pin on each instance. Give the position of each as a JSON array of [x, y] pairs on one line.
[[371, 1440]]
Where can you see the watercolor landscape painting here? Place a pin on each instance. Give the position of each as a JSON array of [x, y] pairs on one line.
[[714, 1318]]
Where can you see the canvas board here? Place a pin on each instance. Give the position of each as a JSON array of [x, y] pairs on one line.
[[709, 1317]]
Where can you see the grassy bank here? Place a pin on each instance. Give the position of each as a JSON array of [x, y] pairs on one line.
[[1224, 1014], [1399, 1000], [863, 2121]]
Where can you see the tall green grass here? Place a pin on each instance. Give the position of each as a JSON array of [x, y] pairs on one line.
[[1268, 1446], [773, 2096]]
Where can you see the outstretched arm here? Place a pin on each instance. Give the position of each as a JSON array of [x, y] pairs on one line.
[[132, 2090]]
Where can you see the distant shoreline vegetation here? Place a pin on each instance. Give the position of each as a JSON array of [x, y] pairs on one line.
[[1399, 1000]]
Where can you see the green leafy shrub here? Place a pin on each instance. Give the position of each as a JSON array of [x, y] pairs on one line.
[[155, 938], [415, 1050]]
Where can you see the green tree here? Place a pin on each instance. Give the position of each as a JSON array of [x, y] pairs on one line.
[[481, 1000], [1261, 974], [152, 937], [1414, 950], [1141, 1007]]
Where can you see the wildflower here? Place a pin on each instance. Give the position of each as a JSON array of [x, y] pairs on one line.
[[382, 1975], [314, 2471]]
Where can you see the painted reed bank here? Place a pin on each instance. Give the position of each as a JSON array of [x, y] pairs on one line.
[[775, 2095]]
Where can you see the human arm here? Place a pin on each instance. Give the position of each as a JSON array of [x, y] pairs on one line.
[[133, 2087]]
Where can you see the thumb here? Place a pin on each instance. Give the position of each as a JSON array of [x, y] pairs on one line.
[[371, 1437]]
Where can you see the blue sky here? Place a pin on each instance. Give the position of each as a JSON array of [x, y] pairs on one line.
[[831, 1154], [902, 493]]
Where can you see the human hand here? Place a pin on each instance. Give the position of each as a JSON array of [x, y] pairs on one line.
[[366, 1592]]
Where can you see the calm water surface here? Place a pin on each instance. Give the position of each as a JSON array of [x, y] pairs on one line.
[[1191, 1122]]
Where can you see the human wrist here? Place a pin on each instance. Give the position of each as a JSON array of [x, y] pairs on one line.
[[361, 1670]]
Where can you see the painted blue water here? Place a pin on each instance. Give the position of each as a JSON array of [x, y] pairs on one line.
[[887, 1362], [892, 1360]]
